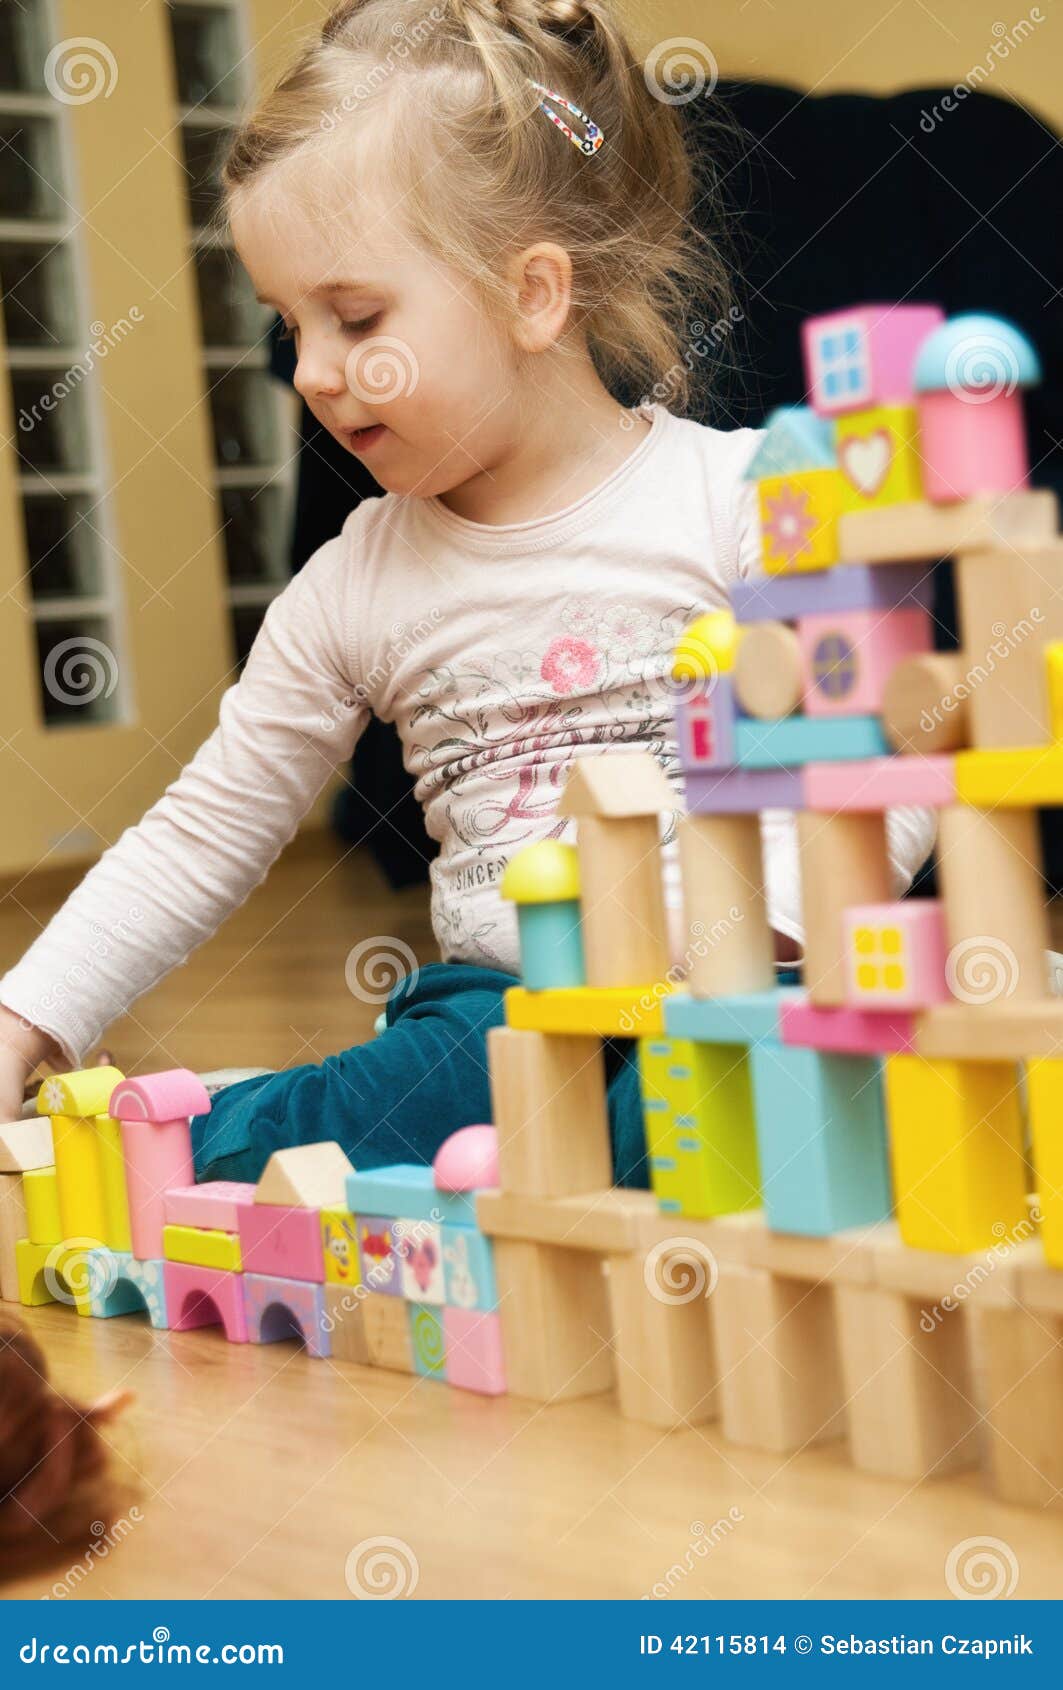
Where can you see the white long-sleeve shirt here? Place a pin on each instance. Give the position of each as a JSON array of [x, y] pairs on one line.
[[501, 653]]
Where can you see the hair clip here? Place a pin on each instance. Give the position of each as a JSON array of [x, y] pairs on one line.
[[593, 137]]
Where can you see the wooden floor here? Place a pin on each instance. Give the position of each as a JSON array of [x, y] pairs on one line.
[[260, 1471]]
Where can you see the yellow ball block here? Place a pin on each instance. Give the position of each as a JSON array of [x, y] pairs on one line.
[[706, 648]]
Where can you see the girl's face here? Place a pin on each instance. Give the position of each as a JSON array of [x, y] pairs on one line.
[[397, 357]]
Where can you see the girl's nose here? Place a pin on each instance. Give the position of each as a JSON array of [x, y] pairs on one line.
[[317, 376]]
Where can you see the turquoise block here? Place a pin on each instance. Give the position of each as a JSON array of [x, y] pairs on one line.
[[821, 1137], [123, 1285], [793, 740], [551, 945], [468, 1268], [408, 1190], [741, 1019]]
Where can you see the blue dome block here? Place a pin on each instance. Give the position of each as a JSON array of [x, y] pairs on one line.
[[976, 353]]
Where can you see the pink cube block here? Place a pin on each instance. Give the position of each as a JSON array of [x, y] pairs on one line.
[[895, 954], [286, 1308], [474, 1356], [848, 659], [280, 1241], [971, 447], [199, 1296], [853, 1032], [213, 1204], [158, 1155], [881, 782], [864, 356]]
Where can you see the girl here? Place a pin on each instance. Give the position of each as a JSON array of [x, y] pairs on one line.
[[474, 217]]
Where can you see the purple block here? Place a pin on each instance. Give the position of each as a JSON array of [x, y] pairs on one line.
[[286, 1308], [380, 1261], [742, 792], [851, 586]]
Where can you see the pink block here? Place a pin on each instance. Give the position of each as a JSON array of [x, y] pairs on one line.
[[276, 1307], [474, 1355], [283, 1242], [855, 1032], [217, 1203], [880, 782], [159, 1097], [199, 1296], [467, 1160], [895, 954], [847, 659], [158, 1156], [971, 447], [865, 355]]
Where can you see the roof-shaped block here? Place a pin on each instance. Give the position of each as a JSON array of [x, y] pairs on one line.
[[25, 1145], [87, 1091], [306, 1176], [172, 1095], [794, 438], [624, 783]]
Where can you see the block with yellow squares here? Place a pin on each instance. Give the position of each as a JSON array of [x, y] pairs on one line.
[[878, 456], [896, 955]]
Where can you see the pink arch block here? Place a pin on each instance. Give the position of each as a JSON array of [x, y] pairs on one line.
[[275, 1305], [199, 1296], [467, 1160], [174, 1093]]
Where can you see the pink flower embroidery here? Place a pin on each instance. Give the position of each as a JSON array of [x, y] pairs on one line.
[[569, 665]]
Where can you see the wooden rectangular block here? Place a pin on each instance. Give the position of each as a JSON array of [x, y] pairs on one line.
[[738, 1018], [665, 1367], [1019, 1365], [1044, 1094], [602, 1011], [991, 1032], [427, 1344], [111, 1161], [202, 1247], [387, 1333], [796, 740], [621, 901], [700, 1127], [845, 1257], [881, 782], [13, 1226], [379, 1261], [996, 914], [776, 1359], [1010, 609], [864, 355], [921, 531], [600, 1221], [408, 1189], [41, 1192], [469, 1268], [728, 944], [940, 1282], [856, 1032], [556, 1324], [844, 861], [281, 1243], [345, 1320], [705, 718], [896, 954], [339, 1241], [549, 1108]]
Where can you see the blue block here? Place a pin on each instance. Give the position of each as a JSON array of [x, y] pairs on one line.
[[123, 1285], [854, 586], [468, 1268], [743, 792], [551, 945], [794, 439], [795, 740], [821, 1138], [742, 1019], [407, 1190]]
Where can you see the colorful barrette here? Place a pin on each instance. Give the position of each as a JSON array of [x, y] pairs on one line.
[[591, 140]]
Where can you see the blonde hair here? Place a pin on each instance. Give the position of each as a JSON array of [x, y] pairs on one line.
[[443, 89]]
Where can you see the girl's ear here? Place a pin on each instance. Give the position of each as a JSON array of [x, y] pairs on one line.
[[541, 277]]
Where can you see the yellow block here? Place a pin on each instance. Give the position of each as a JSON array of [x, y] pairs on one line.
[[1044, 1083], [84, 1092], [878, 456], [700, 1128], [339, 1240], [1054, 663], [1017, 780], [41, 1191], [77, 1165], [202, 1247], [799, 520], [112, 1181], [38, 1264], [627, 1012], [955, 1131]]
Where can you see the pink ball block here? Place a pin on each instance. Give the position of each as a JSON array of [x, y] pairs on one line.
[[852, 1032], [217, 1203], [848, 658], [280, 1241], [865, 355], [199, 1296], [275, 1306], [895, 954], [467, 1160], [159, 1097], [474, 1356], [158, 1155], [879, 783], [971, 446]]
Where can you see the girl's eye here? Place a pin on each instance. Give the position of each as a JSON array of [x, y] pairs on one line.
[[366, 323]]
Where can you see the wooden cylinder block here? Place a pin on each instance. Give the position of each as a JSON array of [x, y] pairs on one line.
[[728, 938], [924, 705], [625, 938], [768, 679], [996, 914], [844, 861]]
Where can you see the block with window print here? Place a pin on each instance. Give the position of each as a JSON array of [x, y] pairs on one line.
[[865, 356]]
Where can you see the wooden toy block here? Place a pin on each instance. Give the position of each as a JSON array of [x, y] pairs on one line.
[[122, 1285], [281, 1243], [920, 532], [26, 1145], [216, 1203], [387, 1333], [474, 1351], [880, 783], [848, 659], [468, 1268], [345, 1323], [1010, 613], [623, 786], [896, 954], [799, 520], [279, 1308], [844, 1258], [1054, 682], [994, 1032], [82, 1093], [727, 1237], [660, 1305], [1044, 1093], [41, 1192], [623, 901], [705, 717], [847, 1030], [808, 739], [996, 915], [821, 1138], [427, 1343], [925, 703], [741, 1018], [844, 861], [339, 1240], [408, 1189], [540, 1084], [955, 1132], [13, 1226], [604, 1011], [878, 456], [556, 1326], [776, 1360], [202, 1247], [937, 1282], [158, 1155], [1019, 1361], [378, 1258], [77, 1167], [1017, 780], [793, 438], [728, 941], [769, 676], [744, 792], [172, 1095], [700, 1128], [305, 1176], [968, 376], [864, 356], [859, 586], [111, 1161], [543, 882], [420, 1248], [599, 1221], [148, 1280], [198, 1296]]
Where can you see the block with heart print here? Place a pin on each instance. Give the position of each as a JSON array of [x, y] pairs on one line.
[[847, 659], [878, 456]]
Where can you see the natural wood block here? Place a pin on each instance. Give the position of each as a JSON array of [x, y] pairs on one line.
[[624, 928], [595, 1220], [549, 1109], [386, 1329], [26, 1145], [556, 1322], [306, 1176], [924, 704], [776, 1358], [843, 1256], [13, 1227], [996, 914], [769, 677], [345, 1322], [999, 1032], [943, 1281], [844, 860], [729, 945], [665, 1369], [728, 1237], [912, 532], [1010, 606], [1018, 1359]]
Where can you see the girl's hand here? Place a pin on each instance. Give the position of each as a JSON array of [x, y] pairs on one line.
[[22, 1048]]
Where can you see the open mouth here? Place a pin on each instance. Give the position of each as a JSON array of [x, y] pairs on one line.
[[361, 438]]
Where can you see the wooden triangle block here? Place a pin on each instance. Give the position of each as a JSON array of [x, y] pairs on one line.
[[26, 1145], [307, 1176]]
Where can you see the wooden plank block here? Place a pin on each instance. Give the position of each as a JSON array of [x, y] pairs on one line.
[[596, 1220], [743, 792], [940, 1281], [728, 940], [549, 1108], [921, 531], [13, 1227], [858, 1032], [844, 860], [996, 913], [665, 1368], [739, 1018], [880, 783], [345, 1323], [201, 1247], [1044, 1103], [1018, 1364], [997, 1032], [622, 901], [386, 1330], [727, 1237], [779, 1382], [1001, 780], [602, 1011], [556, 1322], [1010, 609], [783, 598], [846, 1256]]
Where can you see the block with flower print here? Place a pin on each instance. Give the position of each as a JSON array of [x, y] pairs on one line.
[[799, 520], [895, 954]]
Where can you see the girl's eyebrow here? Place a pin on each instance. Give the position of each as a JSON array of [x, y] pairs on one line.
[[325, 288]]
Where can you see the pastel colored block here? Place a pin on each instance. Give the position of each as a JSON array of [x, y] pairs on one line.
[[799, 520], [409, 1189], [878, 456], [158, 1155], [26, 1145], [41, 1191], [796, 740], [339, 1239], [199, 1296], [1019, 780], [79, 1094], [895, 954], [123, 1285], [740, 1019], [793, 438], [426, 1340], [279, 1308], [42, 1273], [744, 792], [216, 1203], [280, 1242], [705, 717], [865, 355], [468, 1159], [77, 1167], [956, 1146], [881, 782], [474, 1353], [468, 1268], [700, 1128], [378, 1258], [551, 945], [972, 448], [172, 1095], [113, 1183], [821, 1138], [832, 592], [849, 1031], [202, 1246], [387, 1333], [607, 1011], [1044, 1087], [848, 658], [420, 1248]]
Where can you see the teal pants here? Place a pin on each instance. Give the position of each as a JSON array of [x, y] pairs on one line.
[[398, 1097]]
